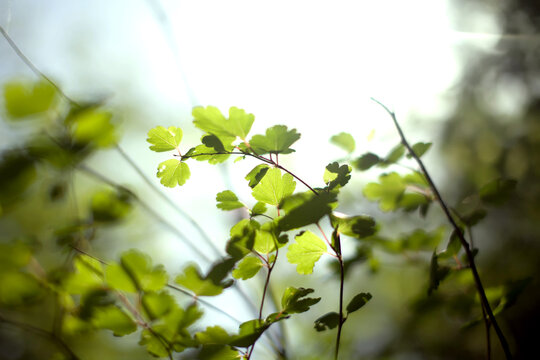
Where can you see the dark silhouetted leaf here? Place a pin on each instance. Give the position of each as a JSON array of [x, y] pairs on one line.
[[327, 321], [366, 161], [336, 176], [358, 301], [359, 226], [294, 300], [497, 191], [420, 149]]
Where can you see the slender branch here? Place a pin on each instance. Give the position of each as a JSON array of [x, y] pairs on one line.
[[32, 67], [43, 333], [341, 287], [457, 229], [165, 198]]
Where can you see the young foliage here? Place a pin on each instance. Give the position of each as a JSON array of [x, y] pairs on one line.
[[227, 200], [306, 251], [277, 140], [173, 172], [345, 141], [274, 187], [163, 139]]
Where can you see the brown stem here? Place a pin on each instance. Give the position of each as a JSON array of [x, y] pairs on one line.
[[457, 229]]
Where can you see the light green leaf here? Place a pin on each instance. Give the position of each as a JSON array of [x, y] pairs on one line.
[[156, 305], [113, 318], [87, 276], [194, 281], [135, 272], [420, 149], [173, 172], [17, 288], [211, 120], [256, 174], [163, 139], [358, 301], [111, 205], [227, 200], [387, 191], [258, 209], [345, 141], [92, 126], [277, 140], [247, 268], [273, 187], [215, 335], [154, 345], [294, 300], [212, 156], [14, 255], [268, 237], [306, 251], [24, 98], [218, 352], [118, 279]]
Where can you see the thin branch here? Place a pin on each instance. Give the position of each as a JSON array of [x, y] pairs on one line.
[[32, 67], [43, 333], [457, 229], [341, 288]]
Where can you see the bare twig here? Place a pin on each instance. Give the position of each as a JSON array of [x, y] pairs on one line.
[[480, 288]]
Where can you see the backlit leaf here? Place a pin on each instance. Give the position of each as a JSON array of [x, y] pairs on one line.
[[163, 139], [92, 126], [345, 141], [173, 172], [242, 238], [249, 332], [359, 226], [420, 149], [387, 192], [273, 187], [305, 208], [25, 98], [115, 319], [17, 288], [336, 176], [258, 209], [192, 279], [211, 120], [247, 268], [256, 174], [277, 140], [306, 251], [227, 200]]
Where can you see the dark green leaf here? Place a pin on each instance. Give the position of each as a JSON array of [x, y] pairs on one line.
[[358, 301], [227, 200], [366, 161], [345, 141], [394, 155], [327, 321], [336, 176], [249, 332], [242, 238], [277, 140], [497, 191], [294, 300], [360, 226], [304, 209], [436, 274], [256, 174], [111, 205], [453, 247]]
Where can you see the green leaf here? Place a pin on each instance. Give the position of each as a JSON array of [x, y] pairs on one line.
[[173, 172], [387, 192], [227, 200], [192, 279], [359, 227], [277, 140], [214, 335], [306, 251], [211, 120], [212, 155], [242, 238], [135, 272], [115, 319], [497, 191], [154, 344], [249, 332], [336, 176], [327, 321], [14, 255], [25, 98], [111, 205], [453, 247], [305, 208], [18, 288], [273, 187], [345, 141], [247, 268], [258, 209], [436, 273], [256, 174], [420, 149], [87, 275], [164, 139], [394, 155], [358, 301], [92, 126], [366, 161], [218, 352], [156, 304], [294, 300], [412, 201], [268, 237]]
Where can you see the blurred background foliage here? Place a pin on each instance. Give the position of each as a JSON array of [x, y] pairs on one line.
[[66, 181]]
